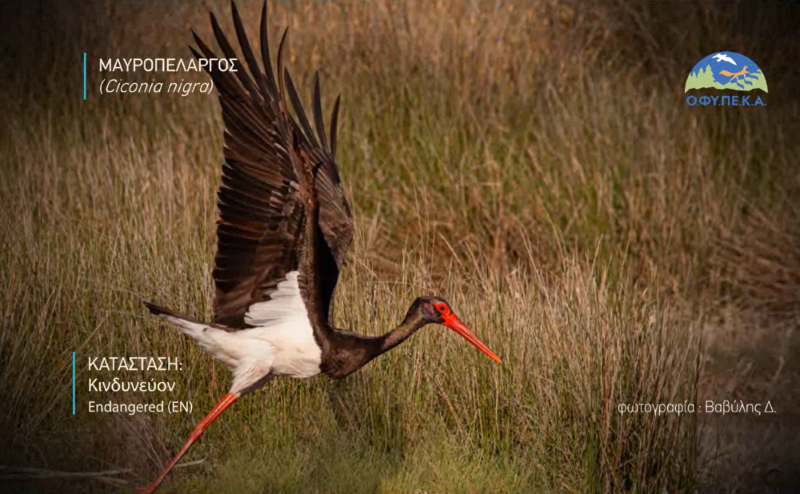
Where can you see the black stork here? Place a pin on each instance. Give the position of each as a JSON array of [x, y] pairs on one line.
[[283, 230]]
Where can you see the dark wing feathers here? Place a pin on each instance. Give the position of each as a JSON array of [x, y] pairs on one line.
[[241, 35], [334, 122], [298, 109], [265, 185], [265, 61], [318, 121], [281, 89], [335, 219], [229, 53]]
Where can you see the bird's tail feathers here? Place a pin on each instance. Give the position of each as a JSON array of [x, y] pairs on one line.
[[191, 327], [159, 311], [213, 338]]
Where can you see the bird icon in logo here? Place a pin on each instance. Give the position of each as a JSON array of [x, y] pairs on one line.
[[721, 57]]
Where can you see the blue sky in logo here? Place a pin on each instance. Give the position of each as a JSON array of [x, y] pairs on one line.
[[729, 70]]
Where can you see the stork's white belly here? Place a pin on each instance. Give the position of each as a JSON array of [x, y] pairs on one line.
[[283, 323], [281, 343], [294, 352]]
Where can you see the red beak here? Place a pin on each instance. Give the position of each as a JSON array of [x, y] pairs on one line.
[[454, 323]]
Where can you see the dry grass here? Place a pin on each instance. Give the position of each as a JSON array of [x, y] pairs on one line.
[[564, 200]]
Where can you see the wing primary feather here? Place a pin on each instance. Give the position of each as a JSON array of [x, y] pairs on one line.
[[244, 44], [265, 59], [195, 53], [318, 120], [281, 88], [298, 109], [227, 49], [207, 53], [218, 77], [334, 122]]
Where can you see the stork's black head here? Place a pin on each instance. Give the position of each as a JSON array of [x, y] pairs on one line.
[[434, 310]]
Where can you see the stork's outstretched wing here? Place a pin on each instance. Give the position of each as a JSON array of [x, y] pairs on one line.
[[273, 168], [335, 219]]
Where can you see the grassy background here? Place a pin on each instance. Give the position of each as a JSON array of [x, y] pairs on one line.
[[534, 163]]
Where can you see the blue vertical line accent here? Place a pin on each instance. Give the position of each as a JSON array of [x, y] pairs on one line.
[[84, 78], [73, 373]]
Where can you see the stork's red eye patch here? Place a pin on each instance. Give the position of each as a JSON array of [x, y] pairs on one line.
[[443, 309]]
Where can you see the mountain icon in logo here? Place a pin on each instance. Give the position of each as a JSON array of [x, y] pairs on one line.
[[726, 70]]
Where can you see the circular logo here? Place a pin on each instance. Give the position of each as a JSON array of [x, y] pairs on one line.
[[726, 70]]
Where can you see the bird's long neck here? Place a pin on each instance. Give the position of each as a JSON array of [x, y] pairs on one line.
[[355, 351], [412, 322]]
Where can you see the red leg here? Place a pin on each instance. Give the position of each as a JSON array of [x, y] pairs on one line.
[[201, 426]]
